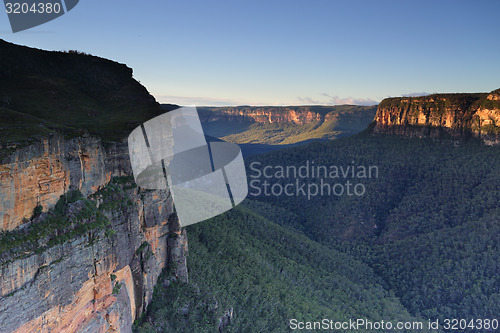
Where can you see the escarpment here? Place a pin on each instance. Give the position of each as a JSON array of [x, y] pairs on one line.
[[299, 115], [88, 264], [81, 246], [296, 115], [283, 125], [39, 174], [439, 115]]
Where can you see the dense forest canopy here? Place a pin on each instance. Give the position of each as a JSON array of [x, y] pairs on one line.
[[421, 243]]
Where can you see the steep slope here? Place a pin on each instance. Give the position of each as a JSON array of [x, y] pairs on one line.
[[425, 228], [427, 224], [425, 231], [90, 264], [56, 110], [68, 93], [260, 276], [442, 114], [81, 247]]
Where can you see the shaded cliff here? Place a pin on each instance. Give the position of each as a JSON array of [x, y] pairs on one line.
[[68, 92], [81, 247], [438, 115]]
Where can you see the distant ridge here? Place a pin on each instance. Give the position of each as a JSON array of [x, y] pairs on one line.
[[438, 115], [258, 127]]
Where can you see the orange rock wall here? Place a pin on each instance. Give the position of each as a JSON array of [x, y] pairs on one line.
[[458, 115], [41, 173], [71, 287]]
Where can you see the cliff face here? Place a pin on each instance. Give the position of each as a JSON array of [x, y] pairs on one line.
[[271, 115], [97, 279], [89, 259], [299, 115], [261, 129], [39, 174], [455, 115]]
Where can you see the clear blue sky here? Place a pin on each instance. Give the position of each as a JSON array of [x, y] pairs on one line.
[[285, 52]]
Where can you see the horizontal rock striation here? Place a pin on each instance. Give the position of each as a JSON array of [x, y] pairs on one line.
[[96, 281], [100, 280], [439, 115], [266, 115], [81, 247], [299, 115], [39, 174]]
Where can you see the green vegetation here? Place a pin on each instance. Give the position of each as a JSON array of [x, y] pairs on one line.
[[114, 197], [145, 245], [427, 224], [341, 120], [462, 100], [145, 250], [422, 243], [268, 274], [489, 104], [286, 133], [434, 184], [116, 288], [434, 106], [94, 95], [73, 215], [279, 133], [109, 232], [490, 129], [37, 211], [18, 129]]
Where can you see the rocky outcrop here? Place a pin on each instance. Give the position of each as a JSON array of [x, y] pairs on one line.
[[177, 247], [39, 174], [440, 115], [96, 281], [49, 103], [44, 92], [81, 247]]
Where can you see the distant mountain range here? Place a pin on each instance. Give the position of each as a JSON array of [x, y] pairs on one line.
[[285, 125], [266, 128]]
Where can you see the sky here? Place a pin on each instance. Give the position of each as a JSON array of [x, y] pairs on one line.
[[285, 52]]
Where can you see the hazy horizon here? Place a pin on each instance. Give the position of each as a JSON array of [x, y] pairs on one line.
[[285, 53]]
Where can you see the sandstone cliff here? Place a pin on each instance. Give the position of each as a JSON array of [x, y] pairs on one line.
[[39, 174], [349, 115], [438, 115], [262, 128], [86, 275], [81, 247]]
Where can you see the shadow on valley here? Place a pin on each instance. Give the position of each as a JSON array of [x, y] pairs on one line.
[[421, 243]]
